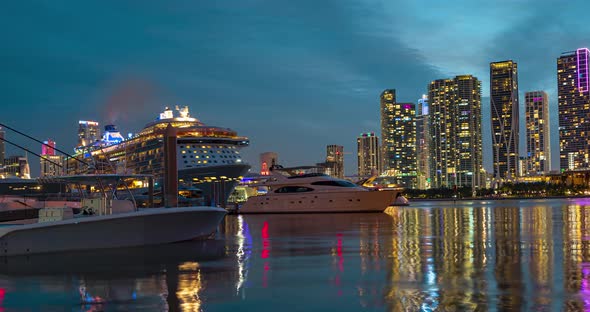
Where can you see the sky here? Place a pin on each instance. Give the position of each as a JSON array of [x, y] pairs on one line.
[[292, 76]]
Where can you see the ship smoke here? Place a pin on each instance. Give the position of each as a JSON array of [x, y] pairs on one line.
[[127, 99]]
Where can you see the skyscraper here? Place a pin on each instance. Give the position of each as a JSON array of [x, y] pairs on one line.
[[48, 148], [423, 143], [369, 160], [537, 132], [2, 147], [573, 100], [504, 113], [398, 135], [16, 166], [455, 132], [335, 160], [88, 132], [51, 164]]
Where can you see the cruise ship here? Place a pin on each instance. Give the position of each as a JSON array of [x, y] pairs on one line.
[[208, 157]]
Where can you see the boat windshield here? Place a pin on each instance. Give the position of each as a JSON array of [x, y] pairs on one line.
[[339, 183], [307, 175]]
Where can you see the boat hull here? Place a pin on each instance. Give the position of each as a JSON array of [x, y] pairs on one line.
[[320, 202], [145, 227]]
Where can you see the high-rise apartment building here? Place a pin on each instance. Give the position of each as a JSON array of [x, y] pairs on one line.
[[368, 153], [455, 132], [398, 137], [48, 148], [335, 160], [16, 166], [423, 144], [51, 164], [505, 118], [267, 161], [537, 133], [573, 99], [2, 146], [88, 132]]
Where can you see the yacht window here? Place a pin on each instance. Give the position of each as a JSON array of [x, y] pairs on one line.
[[334, 183], [293, 189]]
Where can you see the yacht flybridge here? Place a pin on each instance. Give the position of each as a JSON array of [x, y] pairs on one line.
[[314, 192], [100, 220]]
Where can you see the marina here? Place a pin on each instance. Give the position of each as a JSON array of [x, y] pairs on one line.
[[300, 156], [469, 255]]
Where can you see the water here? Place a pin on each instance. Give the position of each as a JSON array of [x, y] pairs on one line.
[[528, 255]]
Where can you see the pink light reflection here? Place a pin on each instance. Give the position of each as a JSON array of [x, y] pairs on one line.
[[265, 253], [339, 253], [2, 295], [265, 243], [585, 285]]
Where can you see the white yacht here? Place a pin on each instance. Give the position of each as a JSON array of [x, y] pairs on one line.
[[104, 221], [315, 192]]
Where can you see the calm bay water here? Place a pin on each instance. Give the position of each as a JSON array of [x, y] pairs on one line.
[[528, 255]]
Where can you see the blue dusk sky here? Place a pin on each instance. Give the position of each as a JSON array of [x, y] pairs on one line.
[[293, 76]]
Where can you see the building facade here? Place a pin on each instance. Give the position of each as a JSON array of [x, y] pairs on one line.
[[537, 133], [368, 153], [573, 100], [267, 161], [88, 132], [423, 144], [335, 160], [455, 132], [2, 146], [51, 164], [16, 166], [505, 118], [398, 137]]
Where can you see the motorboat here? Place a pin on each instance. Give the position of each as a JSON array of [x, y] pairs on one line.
[[386, 183], [105, 221], [314, 192]]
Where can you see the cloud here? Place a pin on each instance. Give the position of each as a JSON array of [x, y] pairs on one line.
[[293, 76]]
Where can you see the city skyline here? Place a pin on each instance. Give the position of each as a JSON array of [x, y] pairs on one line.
[[234, 71]]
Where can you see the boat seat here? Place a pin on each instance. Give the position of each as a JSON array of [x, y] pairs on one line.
[[55, 214], [122, 205]]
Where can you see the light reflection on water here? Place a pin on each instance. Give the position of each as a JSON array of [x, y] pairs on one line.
[[498, 255]]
